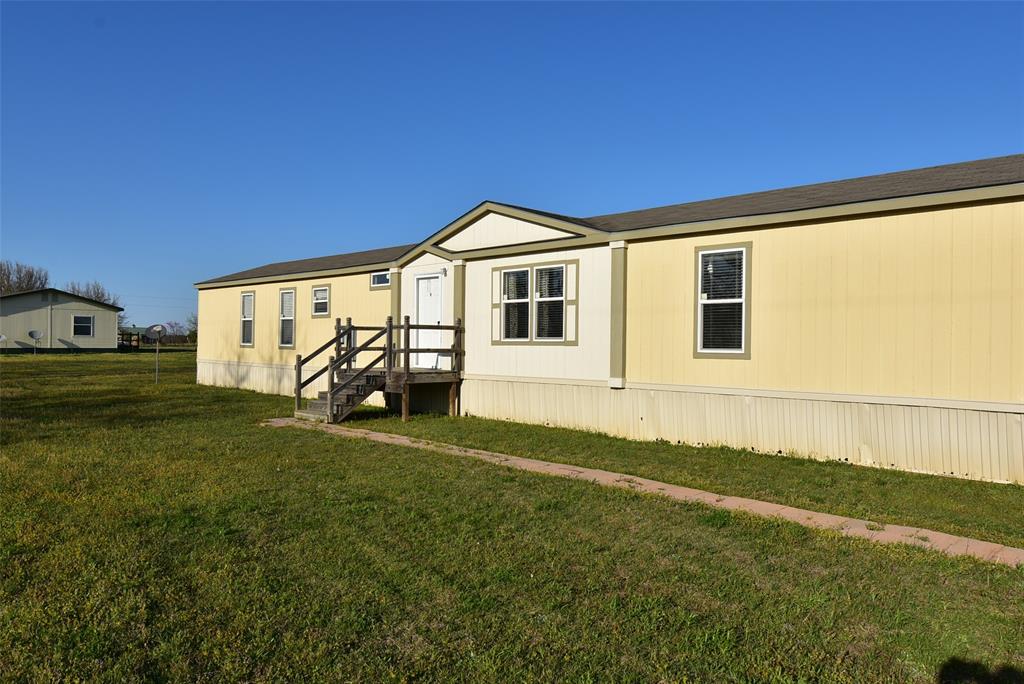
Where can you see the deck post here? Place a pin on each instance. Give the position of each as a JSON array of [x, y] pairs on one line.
[[337, 337], [405, 350], [405, 402], [389, 347], [298, 382], [351, 339], [330, 390], [453, 399]]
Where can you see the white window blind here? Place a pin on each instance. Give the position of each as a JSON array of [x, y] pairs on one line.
[[515, 304], [549, 301], [321, 301], [287, 337], [722, 300], [248, 301]]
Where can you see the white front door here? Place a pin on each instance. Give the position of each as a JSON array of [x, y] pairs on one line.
[[428, 312]]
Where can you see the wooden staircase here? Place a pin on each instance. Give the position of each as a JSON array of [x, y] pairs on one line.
[[349, 385], [345, 399]]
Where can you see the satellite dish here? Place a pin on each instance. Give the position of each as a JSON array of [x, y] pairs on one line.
[[35, 334], [155, 333]]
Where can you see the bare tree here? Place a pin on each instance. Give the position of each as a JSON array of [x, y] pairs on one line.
[[192, 323], [18, 277], [95, 290]]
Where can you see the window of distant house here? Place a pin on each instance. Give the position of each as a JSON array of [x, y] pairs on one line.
[[721, 304], [83, 326], [286, 329], [248, 306], [515, 304], [549, 302], [321, 301], [381, 279]]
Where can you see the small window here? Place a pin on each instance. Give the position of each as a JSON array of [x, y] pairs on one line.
[[286, 336], [721, 304], [321, 301], [248, 306], [549, 294], [515, 304], [380, 279], [83, 326]]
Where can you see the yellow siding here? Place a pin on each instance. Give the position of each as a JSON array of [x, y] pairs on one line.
[[220, 316], [927, 304]]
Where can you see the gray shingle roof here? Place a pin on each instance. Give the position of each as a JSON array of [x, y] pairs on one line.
[[973, 174], [327, 263], [962, 176]]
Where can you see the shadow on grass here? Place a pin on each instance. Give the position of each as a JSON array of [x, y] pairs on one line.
[[959, 671]]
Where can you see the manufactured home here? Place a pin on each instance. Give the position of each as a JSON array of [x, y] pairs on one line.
[[878, 321], [49, 320]]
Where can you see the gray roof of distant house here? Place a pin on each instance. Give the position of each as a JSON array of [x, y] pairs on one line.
[[327, 263], [963, 176], [63, 292]]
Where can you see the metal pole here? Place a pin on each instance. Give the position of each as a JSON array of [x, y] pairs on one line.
[[157, 361]]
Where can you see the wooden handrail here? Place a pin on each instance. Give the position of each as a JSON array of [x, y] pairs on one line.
[[323, 347], [395, 353], [348, 356]]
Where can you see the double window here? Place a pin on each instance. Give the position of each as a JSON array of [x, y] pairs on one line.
[[322, 301], [248, 313], [722, 301], [286, 327], [83, 326], [533, 303]]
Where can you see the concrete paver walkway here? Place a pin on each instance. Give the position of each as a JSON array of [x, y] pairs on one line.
[[887, 534]]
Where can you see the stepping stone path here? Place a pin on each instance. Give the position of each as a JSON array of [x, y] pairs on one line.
[[949, 544]]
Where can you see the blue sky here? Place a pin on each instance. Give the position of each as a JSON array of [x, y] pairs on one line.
[[149, 146]]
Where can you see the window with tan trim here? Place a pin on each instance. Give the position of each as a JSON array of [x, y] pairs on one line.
[[248, 311], [722, 298]]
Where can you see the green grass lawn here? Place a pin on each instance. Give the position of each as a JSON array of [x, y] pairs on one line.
[[993, 512], [158, 532]]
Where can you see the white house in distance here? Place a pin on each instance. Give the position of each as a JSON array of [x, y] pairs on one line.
[[65, 321]]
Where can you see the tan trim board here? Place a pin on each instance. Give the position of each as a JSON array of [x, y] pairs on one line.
[[927, 402], [396, 296], [934, 402], [617, 332], [536, 381]]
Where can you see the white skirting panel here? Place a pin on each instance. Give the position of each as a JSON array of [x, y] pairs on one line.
[[268, 378], [975, 444]]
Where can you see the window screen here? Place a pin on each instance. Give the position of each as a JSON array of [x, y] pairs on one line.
[[721, 304], [550, 302], [321, 301], [287, 338], [515, 304], [248, 300], [83, 326]]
